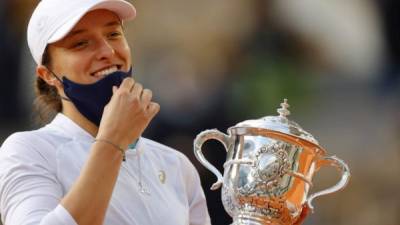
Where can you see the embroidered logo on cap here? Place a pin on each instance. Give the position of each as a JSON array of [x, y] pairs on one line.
[[41, 23]]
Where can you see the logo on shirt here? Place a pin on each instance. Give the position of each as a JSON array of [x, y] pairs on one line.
[[162, 176]]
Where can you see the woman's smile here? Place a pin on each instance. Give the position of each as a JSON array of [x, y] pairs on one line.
[[106, 71]]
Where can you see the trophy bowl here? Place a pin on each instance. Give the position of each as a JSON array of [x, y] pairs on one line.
[[269, 168]]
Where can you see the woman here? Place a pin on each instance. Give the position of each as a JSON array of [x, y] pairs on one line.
[[89, 165]]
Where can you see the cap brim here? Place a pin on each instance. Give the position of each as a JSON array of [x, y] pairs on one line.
[[123, 9]]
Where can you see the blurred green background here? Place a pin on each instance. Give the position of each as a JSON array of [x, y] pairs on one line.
[[212, 64]]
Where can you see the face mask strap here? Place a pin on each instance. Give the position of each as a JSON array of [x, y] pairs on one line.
[[55, 76], [62, 97]]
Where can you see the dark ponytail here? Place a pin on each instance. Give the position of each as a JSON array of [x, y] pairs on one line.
[[47, 102]]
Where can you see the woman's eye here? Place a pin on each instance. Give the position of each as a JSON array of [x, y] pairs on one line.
[[114, 34], [80, 44]]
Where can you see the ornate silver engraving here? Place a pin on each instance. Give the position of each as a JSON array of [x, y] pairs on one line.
[[270, 165]]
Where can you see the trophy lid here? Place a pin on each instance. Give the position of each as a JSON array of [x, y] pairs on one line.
[[280, 124]]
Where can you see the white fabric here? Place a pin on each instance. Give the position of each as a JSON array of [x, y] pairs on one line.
[[37, 168], [53, 19]]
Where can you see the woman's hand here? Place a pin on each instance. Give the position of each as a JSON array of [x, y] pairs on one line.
[[303, 215], [128, 113]]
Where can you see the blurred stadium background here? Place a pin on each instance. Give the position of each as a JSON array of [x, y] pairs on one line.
[[212, 64]]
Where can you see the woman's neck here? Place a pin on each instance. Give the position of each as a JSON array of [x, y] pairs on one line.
[[71, 112]]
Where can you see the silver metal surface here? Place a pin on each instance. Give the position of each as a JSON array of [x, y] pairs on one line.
[[269, 169]]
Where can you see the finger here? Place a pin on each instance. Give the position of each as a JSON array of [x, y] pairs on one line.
[[153, 109], [114, 89], [137, 90], [146, 97], [127, 83]]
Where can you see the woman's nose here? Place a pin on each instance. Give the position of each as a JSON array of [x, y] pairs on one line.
[[105, 50]]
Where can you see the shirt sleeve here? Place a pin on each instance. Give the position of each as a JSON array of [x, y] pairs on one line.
[[29, 191], [198, 212], [58, 216]]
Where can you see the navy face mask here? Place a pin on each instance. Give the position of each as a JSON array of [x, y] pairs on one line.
[[90, 99]]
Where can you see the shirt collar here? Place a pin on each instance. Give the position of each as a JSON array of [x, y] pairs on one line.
[[67, 126], [64, 124]]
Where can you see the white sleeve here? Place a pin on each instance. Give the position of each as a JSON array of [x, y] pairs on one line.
[[198, 212], [58, 216], [29, 191]]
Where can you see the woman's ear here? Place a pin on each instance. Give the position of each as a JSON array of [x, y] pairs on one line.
[[46, 75]]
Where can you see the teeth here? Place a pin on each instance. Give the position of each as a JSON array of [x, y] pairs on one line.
[[106, 72]]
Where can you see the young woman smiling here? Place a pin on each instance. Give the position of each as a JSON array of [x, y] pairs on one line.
[[90, 165]]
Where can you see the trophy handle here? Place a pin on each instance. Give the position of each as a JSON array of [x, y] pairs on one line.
[[342, 167], [199, 141]]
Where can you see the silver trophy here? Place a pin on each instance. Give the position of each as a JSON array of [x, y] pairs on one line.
[[269, 168]]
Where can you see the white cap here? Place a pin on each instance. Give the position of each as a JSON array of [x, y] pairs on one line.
[[52, 20]]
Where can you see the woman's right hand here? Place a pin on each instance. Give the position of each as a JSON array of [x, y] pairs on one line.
[[128, 113]]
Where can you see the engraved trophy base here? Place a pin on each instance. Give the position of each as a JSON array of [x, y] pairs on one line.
[[246, 219]]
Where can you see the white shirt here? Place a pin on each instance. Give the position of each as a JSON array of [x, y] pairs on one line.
[[37, 168]]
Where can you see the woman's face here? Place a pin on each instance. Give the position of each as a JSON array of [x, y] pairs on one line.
[[94, 48]]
